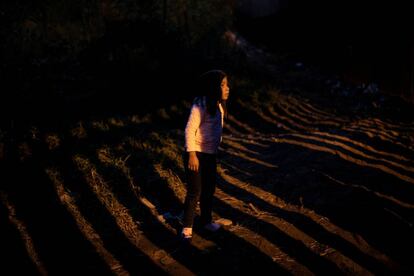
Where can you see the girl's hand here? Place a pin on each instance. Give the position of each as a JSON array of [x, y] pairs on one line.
[[193, 162]]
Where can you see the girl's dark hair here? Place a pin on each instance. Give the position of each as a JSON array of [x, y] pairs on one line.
[[209, 86]]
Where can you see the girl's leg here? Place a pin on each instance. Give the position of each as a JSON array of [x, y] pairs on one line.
[[193, 192], [208, 182]]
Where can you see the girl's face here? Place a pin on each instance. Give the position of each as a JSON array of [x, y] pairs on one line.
[[225, 90]]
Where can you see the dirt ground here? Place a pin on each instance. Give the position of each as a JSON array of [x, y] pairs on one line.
[[316, 180], [309, 191]]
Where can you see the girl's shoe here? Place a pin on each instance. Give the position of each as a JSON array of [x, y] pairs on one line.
[[186, 234], [212, 227]]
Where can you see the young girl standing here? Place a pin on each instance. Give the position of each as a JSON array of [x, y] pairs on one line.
[[203, 134]]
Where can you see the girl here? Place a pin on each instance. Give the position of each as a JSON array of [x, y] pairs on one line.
[[202, 138]]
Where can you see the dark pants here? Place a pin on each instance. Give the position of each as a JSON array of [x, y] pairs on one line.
[[200, 186]]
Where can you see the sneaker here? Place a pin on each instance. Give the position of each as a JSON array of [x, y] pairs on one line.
[[186, 234], [212, 227]]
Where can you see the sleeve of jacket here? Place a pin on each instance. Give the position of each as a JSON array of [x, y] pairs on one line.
[[193, 123], [222, 121]]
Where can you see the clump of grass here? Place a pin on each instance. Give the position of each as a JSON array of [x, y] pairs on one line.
[[100, 125], [79, 131], [116, 122], [52, 141], [85, 226], [135, 119], [107, 197], [107, 157], [173, 180], [104, 155], [162, 114]]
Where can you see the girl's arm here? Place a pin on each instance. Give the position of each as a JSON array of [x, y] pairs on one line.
[[193, 123], [193, 163]]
